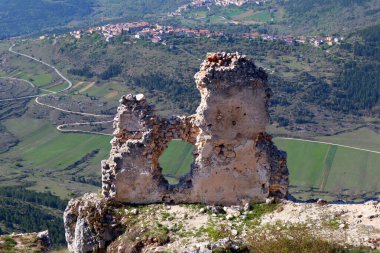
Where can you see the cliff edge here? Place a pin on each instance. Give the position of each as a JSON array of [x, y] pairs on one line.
[[227, 203]]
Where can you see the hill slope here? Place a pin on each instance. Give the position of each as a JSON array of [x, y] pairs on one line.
[[329, 17], [21, 17]]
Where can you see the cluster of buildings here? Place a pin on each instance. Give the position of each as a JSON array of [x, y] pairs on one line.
[[318, 41], [110, 31], [230, 2], [77, 34], [202, 3], [158, 34], [290, 39]]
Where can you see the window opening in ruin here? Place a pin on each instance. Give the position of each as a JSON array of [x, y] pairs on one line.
[[176, 160]]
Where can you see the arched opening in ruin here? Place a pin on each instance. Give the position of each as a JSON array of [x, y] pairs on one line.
[[176, 160]]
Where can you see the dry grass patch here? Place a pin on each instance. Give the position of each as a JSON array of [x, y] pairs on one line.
[[89, 86], [112, 94]]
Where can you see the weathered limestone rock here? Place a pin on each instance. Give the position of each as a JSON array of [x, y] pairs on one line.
[[25, 243], [90, 224], [235, 160]]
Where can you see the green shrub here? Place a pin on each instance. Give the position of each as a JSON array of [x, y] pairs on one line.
[[9, 244]]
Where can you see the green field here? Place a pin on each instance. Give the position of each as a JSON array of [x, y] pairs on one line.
[[316, 170], [261, 16], [309, 170], [231, 11], [362, 138], [48, 155], [37, 77], [42, 146], [331, 171], [102, 91], [176, 160], [42, 79], [58, 87]]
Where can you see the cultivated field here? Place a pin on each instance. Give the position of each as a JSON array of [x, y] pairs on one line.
[[331, 171], [362, 138], [176, 160], [316, 170], [313, 166], [46, 156]]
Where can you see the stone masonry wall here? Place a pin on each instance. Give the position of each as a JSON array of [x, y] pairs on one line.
[[236, 162]]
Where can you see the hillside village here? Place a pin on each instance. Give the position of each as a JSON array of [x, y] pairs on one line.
[[158, 33]]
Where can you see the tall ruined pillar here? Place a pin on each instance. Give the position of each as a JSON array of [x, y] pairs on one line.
[[235, 160]]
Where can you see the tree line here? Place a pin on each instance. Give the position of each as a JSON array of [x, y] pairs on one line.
[[23, 210]]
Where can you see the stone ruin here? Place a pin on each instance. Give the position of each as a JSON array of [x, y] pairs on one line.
[[235, 163]]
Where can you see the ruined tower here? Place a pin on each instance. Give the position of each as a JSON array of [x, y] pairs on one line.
[[236, 162]]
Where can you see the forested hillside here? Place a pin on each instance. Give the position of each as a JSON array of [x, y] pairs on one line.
[[22, 17], [306, 80], [302, 17], [328, 17], [359, 82], [22, 210], [19, 17]]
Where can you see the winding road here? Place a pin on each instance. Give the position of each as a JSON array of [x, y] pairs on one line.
[[70, 84], [50, 93], [61, 127]]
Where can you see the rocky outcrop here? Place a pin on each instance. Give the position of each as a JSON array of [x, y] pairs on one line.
[[235, 160], [190, 228], [235, 164], [91, 223], [25, 243]]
